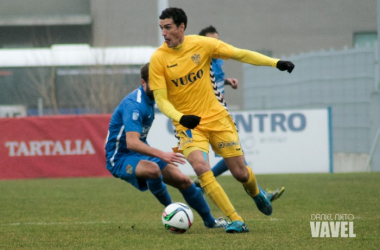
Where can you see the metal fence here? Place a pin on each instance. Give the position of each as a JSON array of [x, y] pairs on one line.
[[345, 80]]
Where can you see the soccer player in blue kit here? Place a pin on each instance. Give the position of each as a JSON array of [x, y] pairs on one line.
[[130, 158], [220, 81]]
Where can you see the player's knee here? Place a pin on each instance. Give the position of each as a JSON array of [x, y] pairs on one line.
[[183, 182], [200, 166], [154, 172], [241, 176]]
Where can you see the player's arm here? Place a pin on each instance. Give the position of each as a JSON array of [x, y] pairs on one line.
[[135, 144], [224, 50], [258, 59], [231, 81], [167, 108]]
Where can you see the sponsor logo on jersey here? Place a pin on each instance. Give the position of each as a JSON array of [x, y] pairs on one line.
[[189, 78], [172, 66], [225, 144]]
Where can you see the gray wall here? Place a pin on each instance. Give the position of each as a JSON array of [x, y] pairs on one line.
[[345, 80], [283, 27]]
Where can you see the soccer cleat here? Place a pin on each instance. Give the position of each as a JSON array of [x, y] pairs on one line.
[[263, 204], [237, 227], [198, 184], [272, 196], [220, 223]]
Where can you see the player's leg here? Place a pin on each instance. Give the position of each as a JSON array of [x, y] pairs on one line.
[[225, 142], [222, 167], [245, 175], [195, 146], [150, 171], [199, 160], [193, 195], [219, 168]]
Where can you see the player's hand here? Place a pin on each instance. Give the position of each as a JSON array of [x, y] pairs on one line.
[[190, 121], [285, 65], [233, 82], [173, 158]]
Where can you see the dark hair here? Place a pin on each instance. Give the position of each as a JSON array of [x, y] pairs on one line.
[[210, 29], [177, 14], [144, 72]]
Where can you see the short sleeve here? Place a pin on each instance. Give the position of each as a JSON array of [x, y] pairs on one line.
[[132, 118]]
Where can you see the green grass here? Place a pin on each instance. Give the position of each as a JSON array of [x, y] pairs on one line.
[[106, 213]]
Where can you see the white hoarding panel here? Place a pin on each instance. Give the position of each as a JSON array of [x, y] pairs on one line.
[[274, 141]]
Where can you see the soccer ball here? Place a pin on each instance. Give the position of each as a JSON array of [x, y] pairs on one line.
[[177, 218]]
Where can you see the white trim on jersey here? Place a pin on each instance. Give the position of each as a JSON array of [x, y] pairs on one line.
[[117, 145], [138, 96]]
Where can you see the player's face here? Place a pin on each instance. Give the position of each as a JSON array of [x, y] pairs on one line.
[[172, 34], [213, 35]]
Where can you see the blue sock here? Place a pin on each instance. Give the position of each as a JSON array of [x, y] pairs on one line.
[[159, 190], [262, 190], [219, 168], [193, 196]]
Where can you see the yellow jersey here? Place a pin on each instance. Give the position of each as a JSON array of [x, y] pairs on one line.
[[185, 72]]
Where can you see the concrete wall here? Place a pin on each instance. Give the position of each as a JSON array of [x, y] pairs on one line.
[[283, 27]]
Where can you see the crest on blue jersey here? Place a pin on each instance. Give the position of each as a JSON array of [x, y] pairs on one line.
[[135, 115], [196, 58], [129, 169]]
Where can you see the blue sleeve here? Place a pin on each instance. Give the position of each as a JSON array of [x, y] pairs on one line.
[[132, 117]]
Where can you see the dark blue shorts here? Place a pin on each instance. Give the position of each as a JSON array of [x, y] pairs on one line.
[[125, 169]]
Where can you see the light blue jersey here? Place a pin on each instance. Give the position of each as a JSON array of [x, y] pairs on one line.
[[218, 73]]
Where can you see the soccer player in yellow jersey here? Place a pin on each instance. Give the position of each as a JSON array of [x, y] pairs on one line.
[[180, 79]]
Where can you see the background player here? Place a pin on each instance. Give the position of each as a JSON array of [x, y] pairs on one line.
[[130, 158], [220, 81]]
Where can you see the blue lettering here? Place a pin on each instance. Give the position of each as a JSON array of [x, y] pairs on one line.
[[302, 122], [261, 121], [239, 120], [277, 120]]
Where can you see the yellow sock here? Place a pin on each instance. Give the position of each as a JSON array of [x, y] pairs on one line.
[[251, 184], [218, 196]]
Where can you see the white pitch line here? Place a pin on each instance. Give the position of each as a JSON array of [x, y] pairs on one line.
[[57, 223]]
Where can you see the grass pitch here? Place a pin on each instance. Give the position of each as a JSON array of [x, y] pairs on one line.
[[106, 213]]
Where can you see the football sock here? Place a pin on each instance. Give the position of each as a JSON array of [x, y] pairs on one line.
[[262, 190], [218, 196], [194, 197], [251, 184], [219, 168], [159, 190]]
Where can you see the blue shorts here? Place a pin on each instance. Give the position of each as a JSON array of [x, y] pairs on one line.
[[125, 169]]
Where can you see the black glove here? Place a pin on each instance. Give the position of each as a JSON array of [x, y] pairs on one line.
[[285, 65], [190, 121]]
